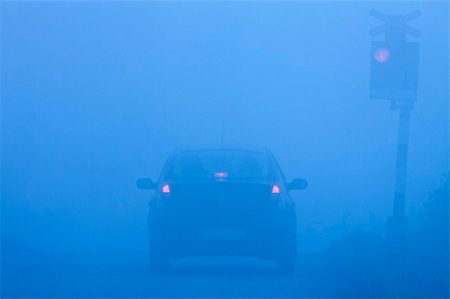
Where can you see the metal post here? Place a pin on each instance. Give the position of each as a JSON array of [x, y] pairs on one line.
[[402, 163], [397, 226]]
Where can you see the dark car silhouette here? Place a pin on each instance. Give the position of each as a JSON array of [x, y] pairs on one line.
[[222, 202]]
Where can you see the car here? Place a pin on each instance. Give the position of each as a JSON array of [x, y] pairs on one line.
[[222, 202]]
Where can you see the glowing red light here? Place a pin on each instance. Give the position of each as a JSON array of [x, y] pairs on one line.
[[221, 174], [165, 189], [275, 189], [381, 55]]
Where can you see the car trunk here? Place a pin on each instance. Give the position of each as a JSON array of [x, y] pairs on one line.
[[221, 203]]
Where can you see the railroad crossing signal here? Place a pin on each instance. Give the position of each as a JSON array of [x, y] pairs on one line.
[[394, 77], [394, 62]]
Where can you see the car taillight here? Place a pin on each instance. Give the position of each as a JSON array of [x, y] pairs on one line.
[[278, 198], [275, 189], [221, 174], [165, 189]]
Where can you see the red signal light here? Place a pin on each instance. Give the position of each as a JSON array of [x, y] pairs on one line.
[[381, 55]]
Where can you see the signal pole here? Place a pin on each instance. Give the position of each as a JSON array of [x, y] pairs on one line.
[[394, 76]]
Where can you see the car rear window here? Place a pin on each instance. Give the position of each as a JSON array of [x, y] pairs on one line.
[[220, 165]]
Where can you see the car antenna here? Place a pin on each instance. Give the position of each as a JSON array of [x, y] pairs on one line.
[[222, 135]]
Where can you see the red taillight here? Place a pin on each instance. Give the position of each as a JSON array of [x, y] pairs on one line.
[[275, 189], [279, 199], [165, 189], [221, 174]]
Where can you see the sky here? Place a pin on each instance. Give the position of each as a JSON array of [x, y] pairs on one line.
[[95, 95]]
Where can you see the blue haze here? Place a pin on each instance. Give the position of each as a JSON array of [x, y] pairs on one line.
[[95, 95]]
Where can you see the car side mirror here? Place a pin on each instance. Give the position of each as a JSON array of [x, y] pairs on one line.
[[298, 184], [145, 183]]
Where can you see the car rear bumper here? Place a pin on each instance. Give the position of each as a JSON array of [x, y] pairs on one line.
[[265, 240]]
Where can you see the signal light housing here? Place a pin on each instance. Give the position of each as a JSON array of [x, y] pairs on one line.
[[393, 69]]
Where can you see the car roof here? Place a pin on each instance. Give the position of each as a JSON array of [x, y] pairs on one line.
[[262, 150]]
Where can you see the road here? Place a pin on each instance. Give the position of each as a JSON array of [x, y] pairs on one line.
[[126, 274]]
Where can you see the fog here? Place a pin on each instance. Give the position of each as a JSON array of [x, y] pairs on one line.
[[95, 95]]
